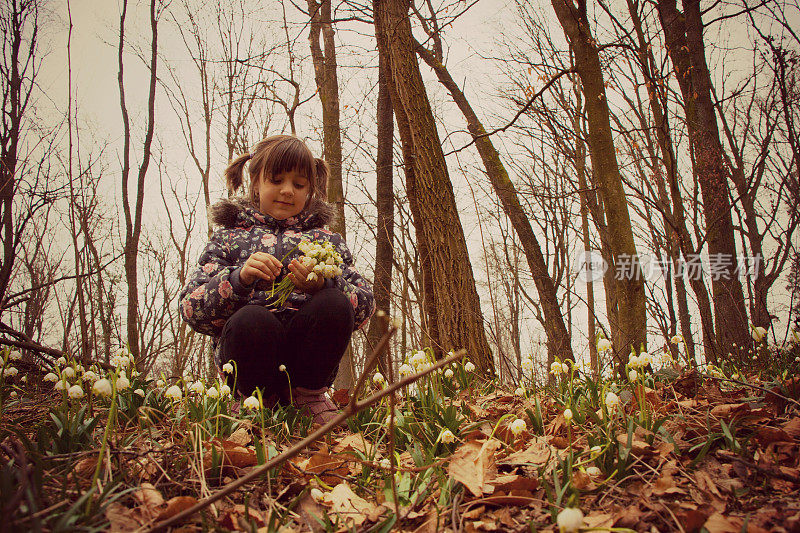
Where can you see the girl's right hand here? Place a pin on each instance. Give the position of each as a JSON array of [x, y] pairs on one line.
[[260, 265]]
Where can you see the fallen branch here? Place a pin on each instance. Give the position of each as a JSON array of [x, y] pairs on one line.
[[352, 408]]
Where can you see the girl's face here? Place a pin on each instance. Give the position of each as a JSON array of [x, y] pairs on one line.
[[283, 195]]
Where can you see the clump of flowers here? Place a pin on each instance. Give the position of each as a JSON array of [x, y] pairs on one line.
[[320, 257]]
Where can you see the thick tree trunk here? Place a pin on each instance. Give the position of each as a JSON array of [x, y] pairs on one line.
[[630, 285], [558, 340], [441, 242], [684, 38], [385, 203]]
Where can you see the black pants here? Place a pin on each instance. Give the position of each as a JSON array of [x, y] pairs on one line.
[[310, 342]]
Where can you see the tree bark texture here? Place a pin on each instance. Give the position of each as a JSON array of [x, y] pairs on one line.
[[684, 39], [328, 89], [441, 242], [384, 238], [630, 287], [558, 340]]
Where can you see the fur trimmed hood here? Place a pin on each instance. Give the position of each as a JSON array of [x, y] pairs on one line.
[[240, 212]]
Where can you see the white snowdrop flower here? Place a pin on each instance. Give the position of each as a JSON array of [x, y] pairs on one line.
[[797, 359], [595, 450], [212, 393], [68, 372], [61, 361], [139, 392], [565, 368], [10, 372], [282, 368], [312, 277], [645, 359], [160, 383], [448, 373], [174, 393], [612, 401], [60, 385], [14, 355], [197, 387], [603, 345], [317, 495], [12, 394], [75, 392], [632, 375], [519, 391], [593, 471], [24, 379], [568, 415], [406, 370], [378, 379], [469, 367], [735, 376], [252, 403], [569, 520], [224, 390], [758, 333], [517, 426], [676, 339], [385, 463], [527, 364], [51, 377], [79, 368], [123, 382], [227, 368], [447, 437], [555, 368], [633, 361], [102, 387]]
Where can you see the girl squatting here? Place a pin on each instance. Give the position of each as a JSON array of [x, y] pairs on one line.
[[229, 296]]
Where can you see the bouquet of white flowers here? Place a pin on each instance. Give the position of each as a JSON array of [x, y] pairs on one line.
[[320, 257]]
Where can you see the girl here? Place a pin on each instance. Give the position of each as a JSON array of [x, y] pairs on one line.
[[229, 295]]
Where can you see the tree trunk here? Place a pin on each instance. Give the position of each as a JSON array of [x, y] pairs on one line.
[[385, 204], [133, 221], [441, 242], [558, 340], [630, 285], [684, 39]]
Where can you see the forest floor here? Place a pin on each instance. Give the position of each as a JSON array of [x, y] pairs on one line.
[[675, 450]]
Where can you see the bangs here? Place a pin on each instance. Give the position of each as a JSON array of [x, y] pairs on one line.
[[287, 155]]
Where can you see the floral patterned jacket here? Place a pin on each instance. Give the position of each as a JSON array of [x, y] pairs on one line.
[[214, 292]]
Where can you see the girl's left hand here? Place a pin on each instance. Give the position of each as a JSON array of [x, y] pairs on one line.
[[299, 276]]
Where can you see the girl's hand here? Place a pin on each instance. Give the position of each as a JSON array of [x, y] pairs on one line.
[[260, 265], [299, 276]]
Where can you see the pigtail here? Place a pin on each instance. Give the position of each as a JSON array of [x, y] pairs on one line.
[[322, 172], [235, 171]]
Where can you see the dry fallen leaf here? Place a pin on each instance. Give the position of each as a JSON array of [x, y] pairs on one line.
[[473, 464], [120, 518], [176, 505], [348, 505], [329, 469], [718, 523]]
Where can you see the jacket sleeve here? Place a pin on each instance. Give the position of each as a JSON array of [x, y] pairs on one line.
[[354, 286], [213, 291]]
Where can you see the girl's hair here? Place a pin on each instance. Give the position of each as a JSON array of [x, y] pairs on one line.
[[272, 156]]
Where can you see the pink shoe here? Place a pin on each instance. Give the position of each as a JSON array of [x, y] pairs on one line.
[[315, 403]]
